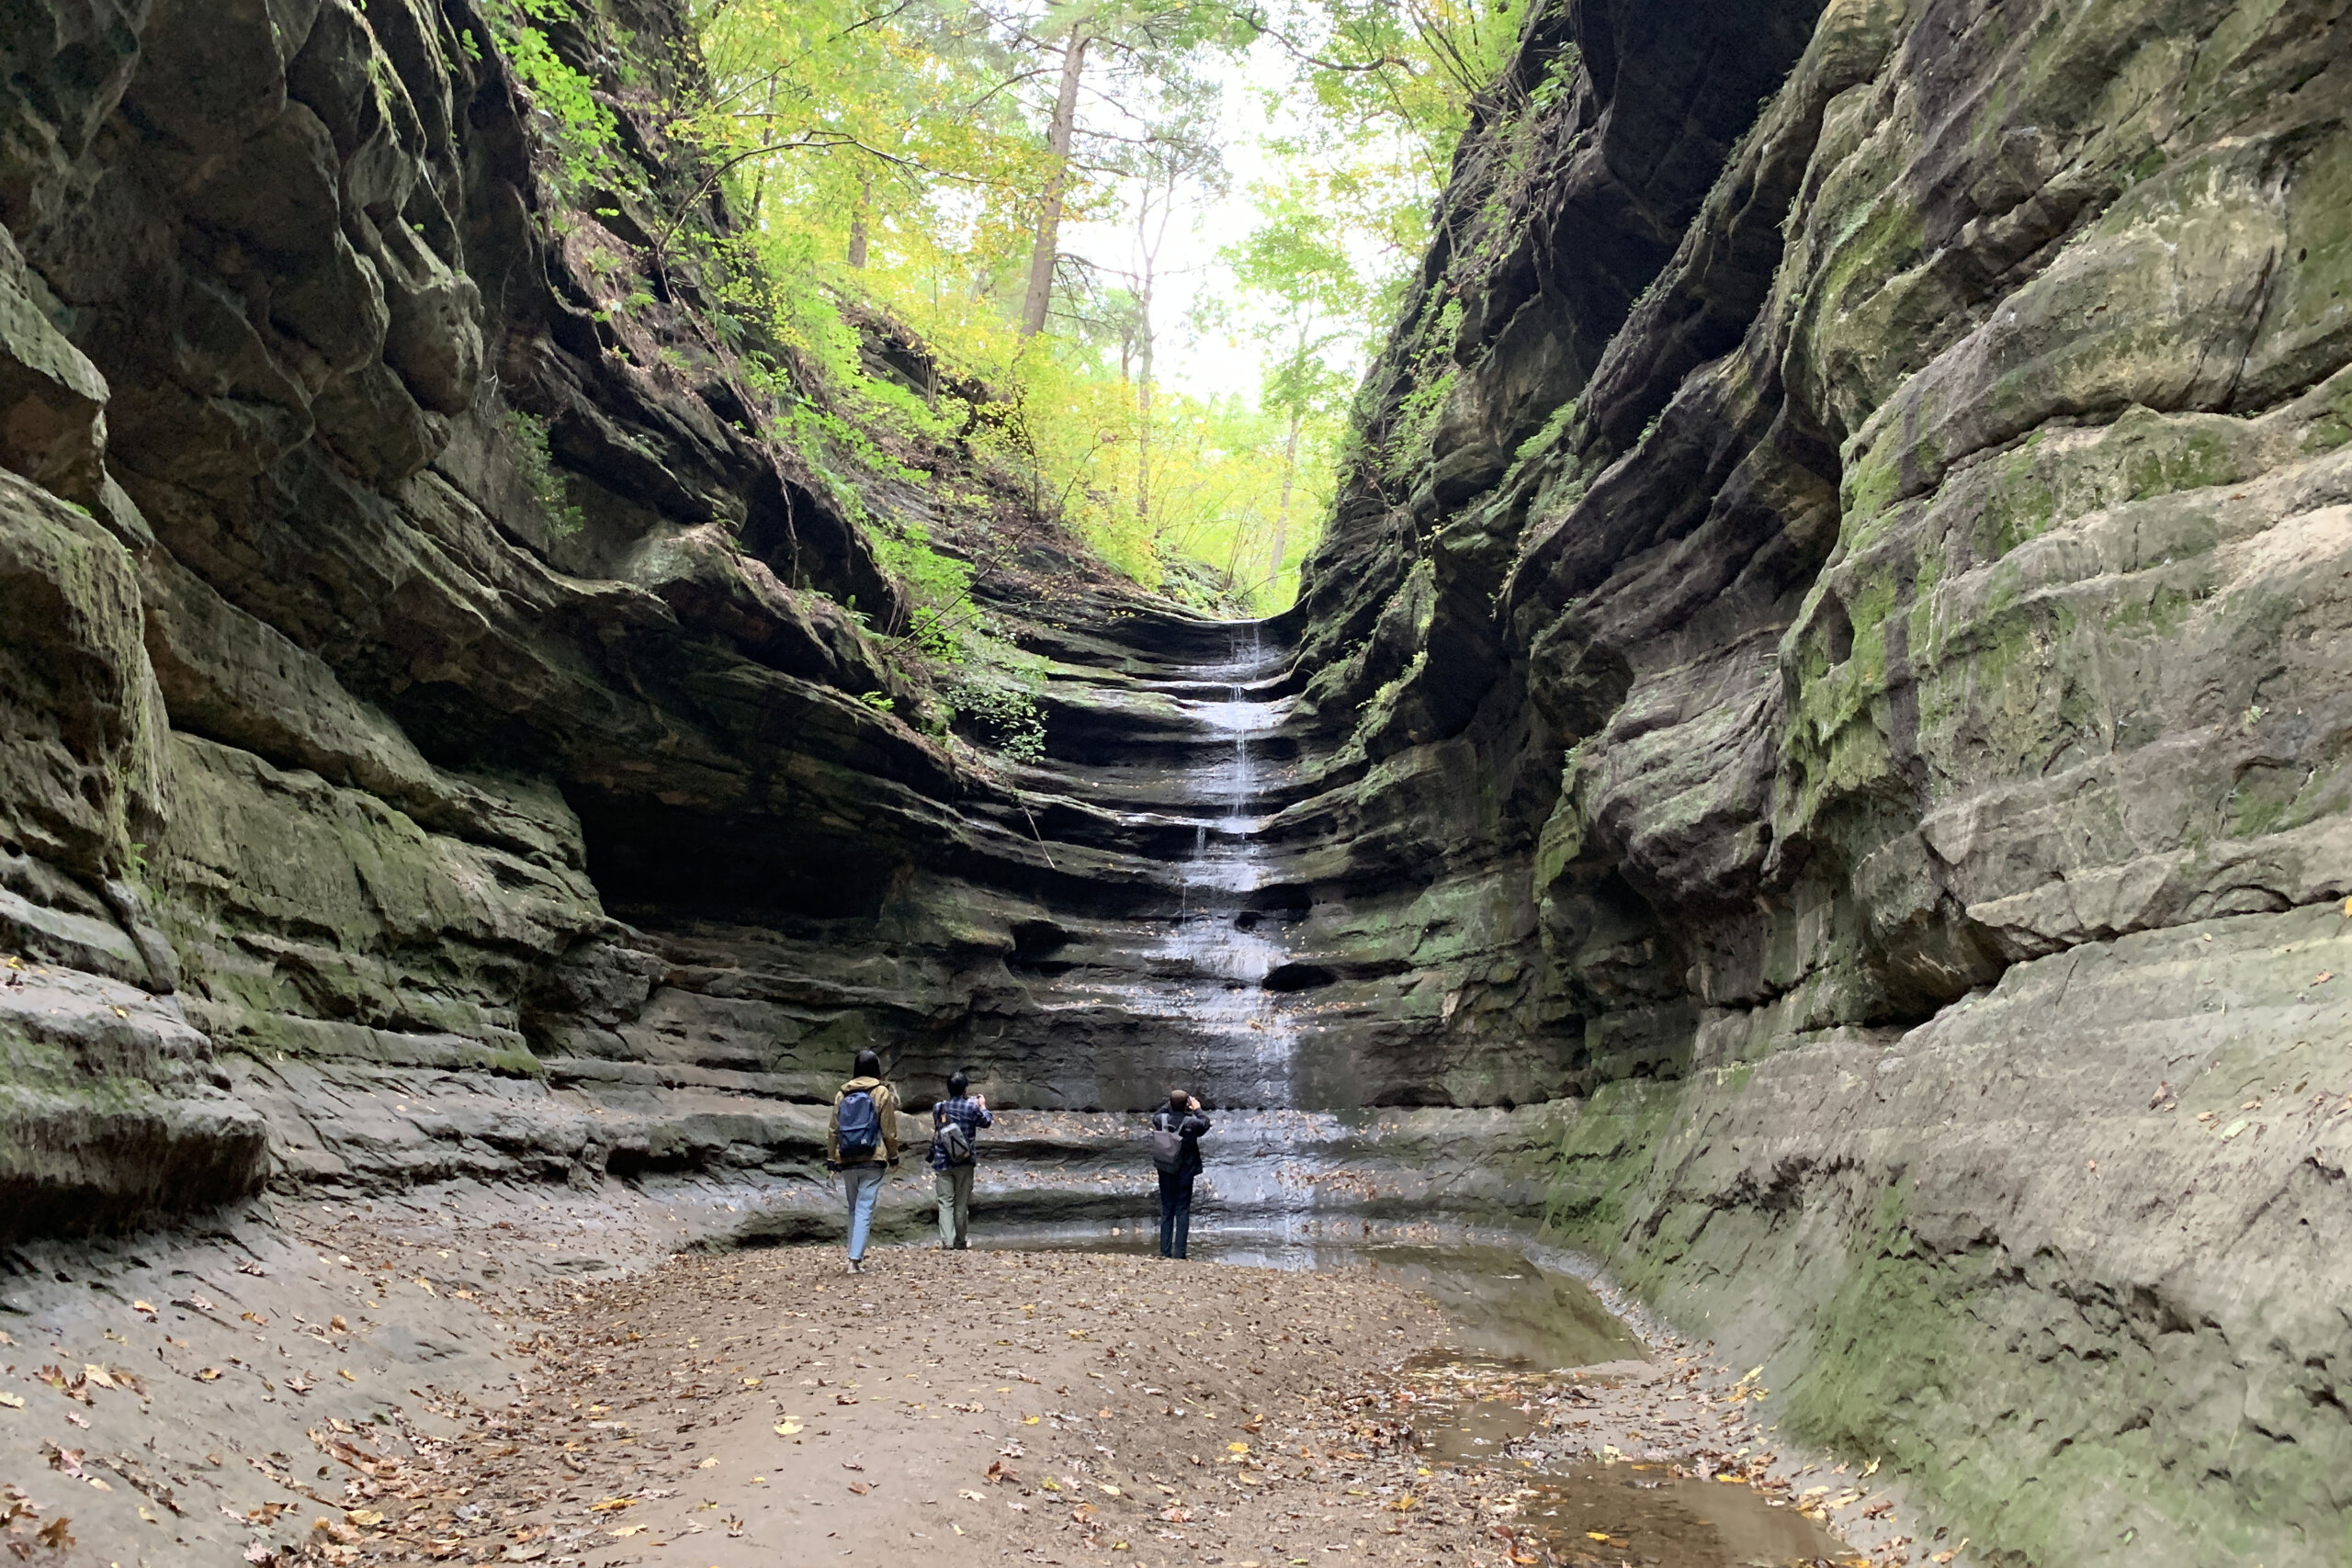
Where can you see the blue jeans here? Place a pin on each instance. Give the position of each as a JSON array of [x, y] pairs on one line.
[[861, 1184], [1175, 1212]]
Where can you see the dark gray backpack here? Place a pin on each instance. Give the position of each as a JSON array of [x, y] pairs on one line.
[[955, 1144]]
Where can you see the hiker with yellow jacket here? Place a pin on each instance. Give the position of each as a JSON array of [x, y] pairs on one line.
[[863, 1144]]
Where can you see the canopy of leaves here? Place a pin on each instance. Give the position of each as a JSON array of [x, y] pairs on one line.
[[891, 160]]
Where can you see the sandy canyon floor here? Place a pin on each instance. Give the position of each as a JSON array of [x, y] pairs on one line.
[[461, 1377]]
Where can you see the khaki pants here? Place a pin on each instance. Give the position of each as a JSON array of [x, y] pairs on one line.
[[953, 1186]]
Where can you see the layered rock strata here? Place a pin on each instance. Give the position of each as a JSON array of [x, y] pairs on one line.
[[438, 743], [1824, 690], [1853, 563]]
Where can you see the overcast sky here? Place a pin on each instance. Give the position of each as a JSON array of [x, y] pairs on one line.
[[1218, 363]]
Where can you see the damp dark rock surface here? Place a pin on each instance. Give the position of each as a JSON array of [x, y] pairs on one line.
[[1810, 759]]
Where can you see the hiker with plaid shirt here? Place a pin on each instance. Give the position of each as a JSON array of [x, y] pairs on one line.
[[955, 1127]]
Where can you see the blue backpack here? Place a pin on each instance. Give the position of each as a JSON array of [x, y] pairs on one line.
[[858, 1127]]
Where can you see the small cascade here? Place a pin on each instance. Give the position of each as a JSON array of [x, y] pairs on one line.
[[1200, 973]]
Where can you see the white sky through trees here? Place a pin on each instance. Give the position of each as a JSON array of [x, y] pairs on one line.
[[1220, 360]]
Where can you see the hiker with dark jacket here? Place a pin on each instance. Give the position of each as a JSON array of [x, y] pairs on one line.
[[1176, 1129], [863, 1144], [956, 1124]]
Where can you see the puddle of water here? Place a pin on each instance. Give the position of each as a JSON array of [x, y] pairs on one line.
[[1632, 1513], [1515, 1320], [1471, 1411]]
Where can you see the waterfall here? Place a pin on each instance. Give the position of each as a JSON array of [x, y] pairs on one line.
[[1199, 974]]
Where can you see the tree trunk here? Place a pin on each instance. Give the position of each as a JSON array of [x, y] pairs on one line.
[[1281, 507], [1049, 215], [857, 225], [1143, 412]]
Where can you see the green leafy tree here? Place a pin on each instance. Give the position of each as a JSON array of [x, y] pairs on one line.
[[926, 160], [1300, 262]]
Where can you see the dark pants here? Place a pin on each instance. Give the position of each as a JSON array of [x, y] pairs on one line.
[[1175, 1212]]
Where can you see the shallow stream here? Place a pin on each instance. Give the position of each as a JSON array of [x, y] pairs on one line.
[[1517, 1314]]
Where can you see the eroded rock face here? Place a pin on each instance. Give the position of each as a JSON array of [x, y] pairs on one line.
[[1826, 690], [1940, 565], [325, 732], [1890, 690], [434, 690]]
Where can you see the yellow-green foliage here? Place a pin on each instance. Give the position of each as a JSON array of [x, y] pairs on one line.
[[892, 141]]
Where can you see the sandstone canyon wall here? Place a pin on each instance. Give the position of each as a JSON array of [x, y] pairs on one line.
[[1850, 561], [1812, 749], [446, 733]]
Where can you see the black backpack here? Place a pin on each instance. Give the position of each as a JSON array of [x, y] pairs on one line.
[[1168, 1150]]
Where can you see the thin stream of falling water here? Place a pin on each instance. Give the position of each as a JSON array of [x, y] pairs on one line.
[[1229, 953], [1192, 982], [1200, 976]]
